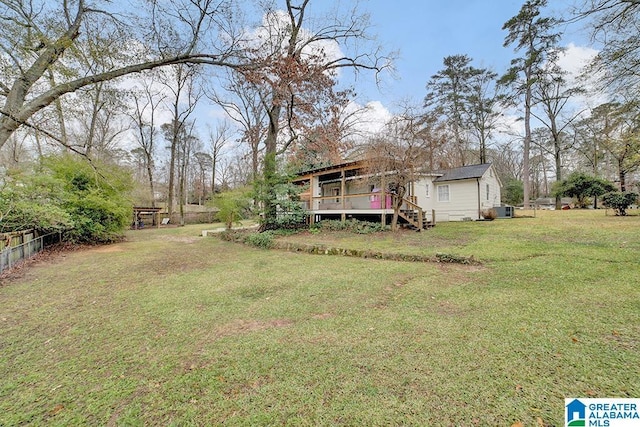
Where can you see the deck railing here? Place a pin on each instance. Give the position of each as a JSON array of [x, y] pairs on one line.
[[359, 201]]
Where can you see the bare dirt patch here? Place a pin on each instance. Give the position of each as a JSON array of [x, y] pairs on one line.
[[108, 249]]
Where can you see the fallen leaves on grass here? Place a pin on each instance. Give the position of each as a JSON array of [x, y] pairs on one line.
[[49, 254], [56, 410]]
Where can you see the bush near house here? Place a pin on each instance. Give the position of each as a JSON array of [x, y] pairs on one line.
[[353, 226], [489, 214]]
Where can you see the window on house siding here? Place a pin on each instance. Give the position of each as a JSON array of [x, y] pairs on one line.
[[427, 191], [487, 191], [443, 193]]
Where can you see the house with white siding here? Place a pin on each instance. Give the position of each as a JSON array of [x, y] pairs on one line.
[[345, 191]]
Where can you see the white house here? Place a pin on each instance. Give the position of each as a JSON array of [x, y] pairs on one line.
[[344, 191], [461, 193]]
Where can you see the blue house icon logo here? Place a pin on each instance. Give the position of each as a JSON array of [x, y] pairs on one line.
[[576, 413]]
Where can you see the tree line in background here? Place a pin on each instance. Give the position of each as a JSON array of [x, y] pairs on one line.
[[122, 89]]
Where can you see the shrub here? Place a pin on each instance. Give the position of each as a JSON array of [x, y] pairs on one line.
[[489, 214], [88, 201], [619, 202], [353, 226], [232, 206], [582, 186], [96, 196], [32, 201], [262, 240]]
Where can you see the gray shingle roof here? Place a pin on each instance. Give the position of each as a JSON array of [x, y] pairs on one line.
[[464, 172]]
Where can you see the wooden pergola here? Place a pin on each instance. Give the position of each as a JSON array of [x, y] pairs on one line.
[[138, 211]]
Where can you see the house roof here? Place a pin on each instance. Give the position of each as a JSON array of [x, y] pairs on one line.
[[455, 174], [464, 172]]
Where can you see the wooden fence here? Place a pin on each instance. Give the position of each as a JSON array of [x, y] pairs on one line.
[[18, 246]]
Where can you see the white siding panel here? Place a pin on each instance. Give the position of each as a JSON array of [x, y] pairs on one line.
[[420, 189], [494, 191], [463, 201]]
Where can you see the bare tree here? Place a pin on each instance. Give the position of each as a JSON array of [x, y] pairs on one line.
[[397, 156], [242, 102], [181, 84], [38, 40], [299, 66], [204, 163], [619, 133], [98, 122], [614, 26], [483, 102], [218, 140], [326, 130], [553, 94], [147, 102]]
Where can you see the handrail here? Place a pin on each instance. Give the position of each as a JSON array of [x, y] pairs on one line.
[[346, 196], [413, 207]]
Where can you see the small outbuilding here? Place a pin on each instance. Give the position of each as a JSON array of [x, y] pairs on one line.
[[145, 215]]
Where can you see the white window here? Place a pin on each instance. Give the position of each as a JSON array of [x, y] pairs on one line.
[[428, 190], [443, 193]]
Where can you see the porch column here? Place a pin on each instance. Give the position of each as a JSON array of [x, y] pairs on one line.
[[383, 201], [315, 192], [343, 187]]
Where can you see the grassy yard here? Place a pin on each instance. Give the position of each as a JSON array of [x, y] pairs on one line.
[[170, 328]]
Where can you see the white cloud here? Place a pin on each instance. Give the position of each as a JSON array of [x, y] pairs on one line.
[[368, 119], [574, 59]]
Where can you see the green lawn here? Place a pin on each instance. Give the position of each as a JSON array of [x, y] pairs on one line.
[[170, 328]]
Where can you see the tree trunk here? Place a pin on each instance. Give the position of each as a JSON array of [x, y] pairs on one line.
[[89, 144], [526, 149], [59, 112], [269, 171], [150, 177], [623, 179], [397, 201], [172, 174], [558, 160]]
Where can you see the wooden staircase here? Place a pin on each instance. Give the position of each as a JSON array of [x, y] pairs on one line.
[[414, 216]]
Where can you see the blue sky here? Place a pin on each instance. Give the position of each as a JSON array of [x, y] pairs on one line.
[[425, 31]]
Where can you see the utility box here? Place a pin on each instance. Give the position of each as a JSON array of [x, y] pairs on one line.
[[504, 211]]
